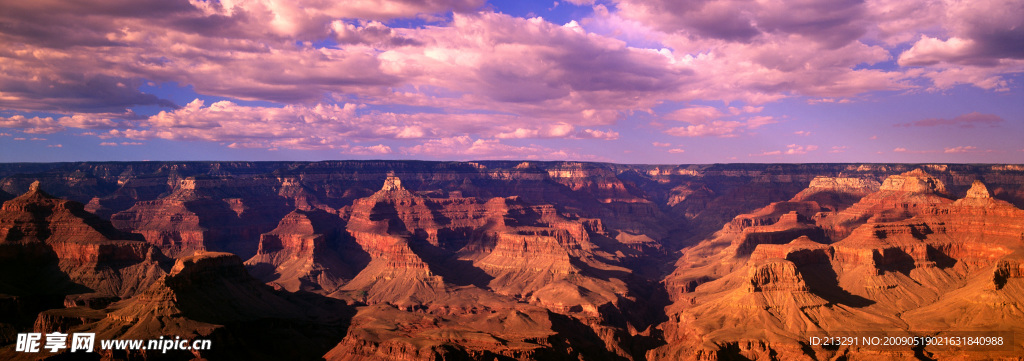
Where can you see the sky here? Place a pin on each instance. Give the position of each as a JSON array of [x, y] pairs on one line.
[[626, 81]]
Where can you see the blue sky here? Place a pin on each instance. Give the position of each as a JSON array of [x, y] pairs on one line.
[[630, 81]]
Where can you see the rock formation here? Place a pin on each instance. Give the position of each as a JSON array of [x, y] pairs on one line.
[[211, 296], [302, 253], [913, 261], [369, 260]]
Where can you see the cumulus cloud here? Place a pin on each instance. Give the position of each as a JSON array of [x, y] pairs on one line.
[[830, 22], [535, 68], [329, 126], [477, 73], [34, 125]]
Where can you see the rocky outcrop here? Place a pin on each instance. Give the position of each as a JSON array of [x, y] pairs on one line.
[[900, 197], [207, 213], [730, 248], [385, 225], [211, 296], [302, 253], [834, 194], [384, 332], [64, 319], [939, 265], [85, 249]]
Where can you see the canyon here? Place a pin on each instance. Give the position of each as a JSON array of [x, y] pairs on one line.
[[507, 260]]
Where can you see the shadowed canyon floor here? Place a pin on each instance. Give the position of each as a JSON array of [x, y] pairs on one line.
[[493, 260]]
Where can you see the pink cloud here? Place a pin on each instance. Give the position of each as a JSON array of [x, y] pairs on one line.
[[366, 150], [695, 115], [484, 75], [34, 125], [792, 149], [718, 128], [467, 148], [534, 68], [660, 144], [324, 126], [707, 121], [803, 133], [911, 151], [676, 150], [597, 134], [960, 149], [968, 120]]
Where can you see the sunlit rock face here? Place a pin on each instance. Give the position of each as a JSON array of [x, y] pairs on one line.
[[511, 260]]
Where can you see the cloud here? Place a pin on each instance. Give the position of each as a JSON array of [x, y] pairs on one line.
[[597, 134], [792, 149], [676, 150], [718, 128], [695, 115], [829, 22], [467, 148], [709, 121], [368, 32], [114, 144], [325, 126], [838, 149], [55, 146], [337, 75], [803, 133], [34, 125], [660, 144], [910, 151], [968, 120], [961, 149], [535, 68], [366, 150], [976, 43]]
